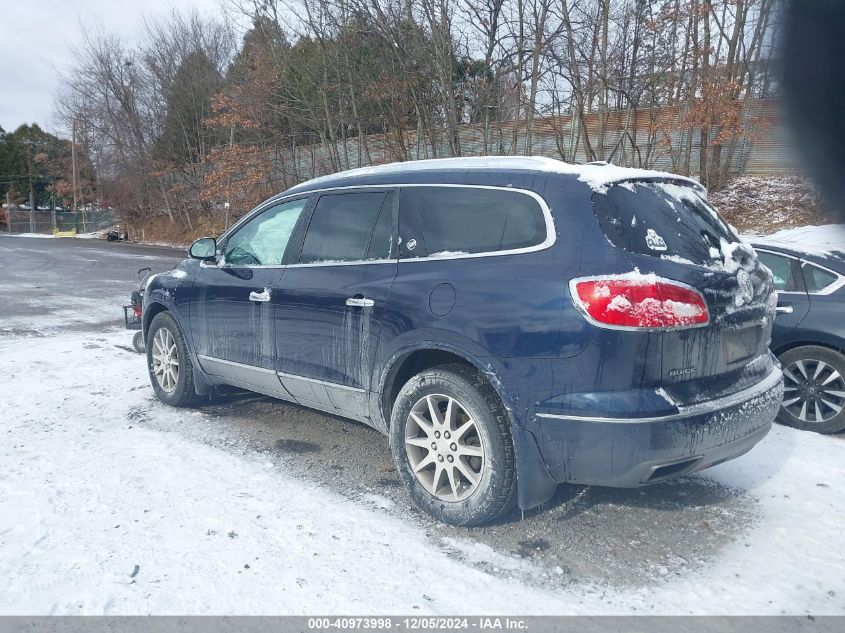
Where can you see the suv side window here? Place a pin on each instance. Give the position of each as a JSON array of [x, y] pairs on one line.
[[262, 241], [342, 225], [381, 242], [817, 279], [466, 220], [782, 271]]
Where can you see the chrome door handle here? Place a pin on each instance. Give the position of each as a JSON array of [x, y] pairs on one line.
[[261, 297], [784, 309], [360, 302]]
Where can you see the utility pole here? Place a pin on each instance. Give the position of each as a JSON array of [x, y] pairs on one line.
[[31, 188], [229, 181], [73, 164]]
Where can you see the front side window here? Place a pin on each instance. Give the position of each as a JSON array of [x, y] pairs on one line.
[[468, 220], [817, 279], [782, 273], [262, 241], [342, 227]]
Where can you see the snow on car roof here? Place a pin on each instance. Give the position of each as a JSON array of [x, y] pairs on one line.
[[597, 175], [827, 240]]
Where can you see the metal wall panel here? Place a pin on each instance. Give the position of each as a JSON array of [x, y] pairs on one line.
[[661, 134]]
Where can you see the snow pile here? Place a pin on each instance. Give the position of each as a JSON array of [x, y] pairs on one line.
[[736, 256], [681, 310], [764, 204], [37, 235], [620, 303], [100, 234]]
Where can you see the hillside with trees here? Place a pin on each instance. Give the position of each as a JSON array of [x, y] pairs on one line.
[[36, 167], [198, 114]]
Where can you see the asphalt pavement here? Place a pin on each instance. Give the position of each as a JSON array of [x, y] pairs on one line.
[[624, 537], [49, 285]]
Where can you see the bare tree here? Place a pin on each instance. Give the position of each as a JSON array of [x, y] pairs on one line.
[[187, 120]]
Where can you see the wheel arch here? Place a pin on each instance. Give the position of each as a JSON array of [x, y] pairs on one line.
[[785, 347], [150, 310], [411, 360], [534, 484]]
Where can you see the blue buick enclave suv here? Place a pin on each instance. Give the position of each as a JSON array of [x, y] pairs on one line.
[[509, 323]]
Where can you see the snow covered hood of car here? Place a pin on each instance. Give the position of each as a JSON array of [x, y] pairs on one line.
[[597, 176]]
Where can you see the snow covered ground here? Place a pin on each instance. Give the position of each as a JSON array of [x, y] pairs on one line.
[[111, 503], [102, 516], [765, 204]]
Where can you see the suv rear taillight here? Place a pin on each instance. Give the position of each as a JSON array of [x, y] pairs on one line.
[[638, 301]]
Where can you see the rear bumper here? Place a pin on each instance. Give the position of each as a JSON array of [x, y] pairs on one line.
[[627, 453]]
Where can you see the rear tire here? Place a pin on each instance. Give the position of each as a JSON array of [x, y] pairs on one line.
[[169, 363], [814, 388], [450, 427]]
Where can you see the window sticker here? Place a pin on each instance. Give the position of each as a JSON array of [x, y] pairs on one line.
[[654, 241]]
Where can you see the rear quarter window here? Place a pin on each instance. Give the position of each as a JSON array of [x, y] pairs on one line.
[[467, 220], [663, 220], [817, 279]]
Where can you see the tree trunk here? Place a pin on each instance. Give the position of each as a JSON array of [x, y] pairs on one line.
[[602, 123]]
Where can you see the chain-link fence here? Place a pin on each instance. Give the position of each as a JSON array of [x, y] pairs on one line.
[[26, 221]]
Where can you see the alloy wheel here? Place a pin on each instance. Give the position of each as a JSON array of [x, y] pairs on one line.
[[814, 392], [165, 357], [444, 447]]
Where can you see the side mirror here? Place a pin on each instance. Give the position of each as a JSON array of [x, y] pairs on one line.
[[204, 249]]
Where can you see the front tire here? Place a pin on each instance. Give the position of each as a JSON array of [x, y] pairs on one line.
[[451, 442], [814, 389], [169, 363]]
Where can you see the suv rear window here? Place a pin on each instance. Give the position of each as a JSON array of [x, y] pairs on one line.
[[461, 220], [662, 219]]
